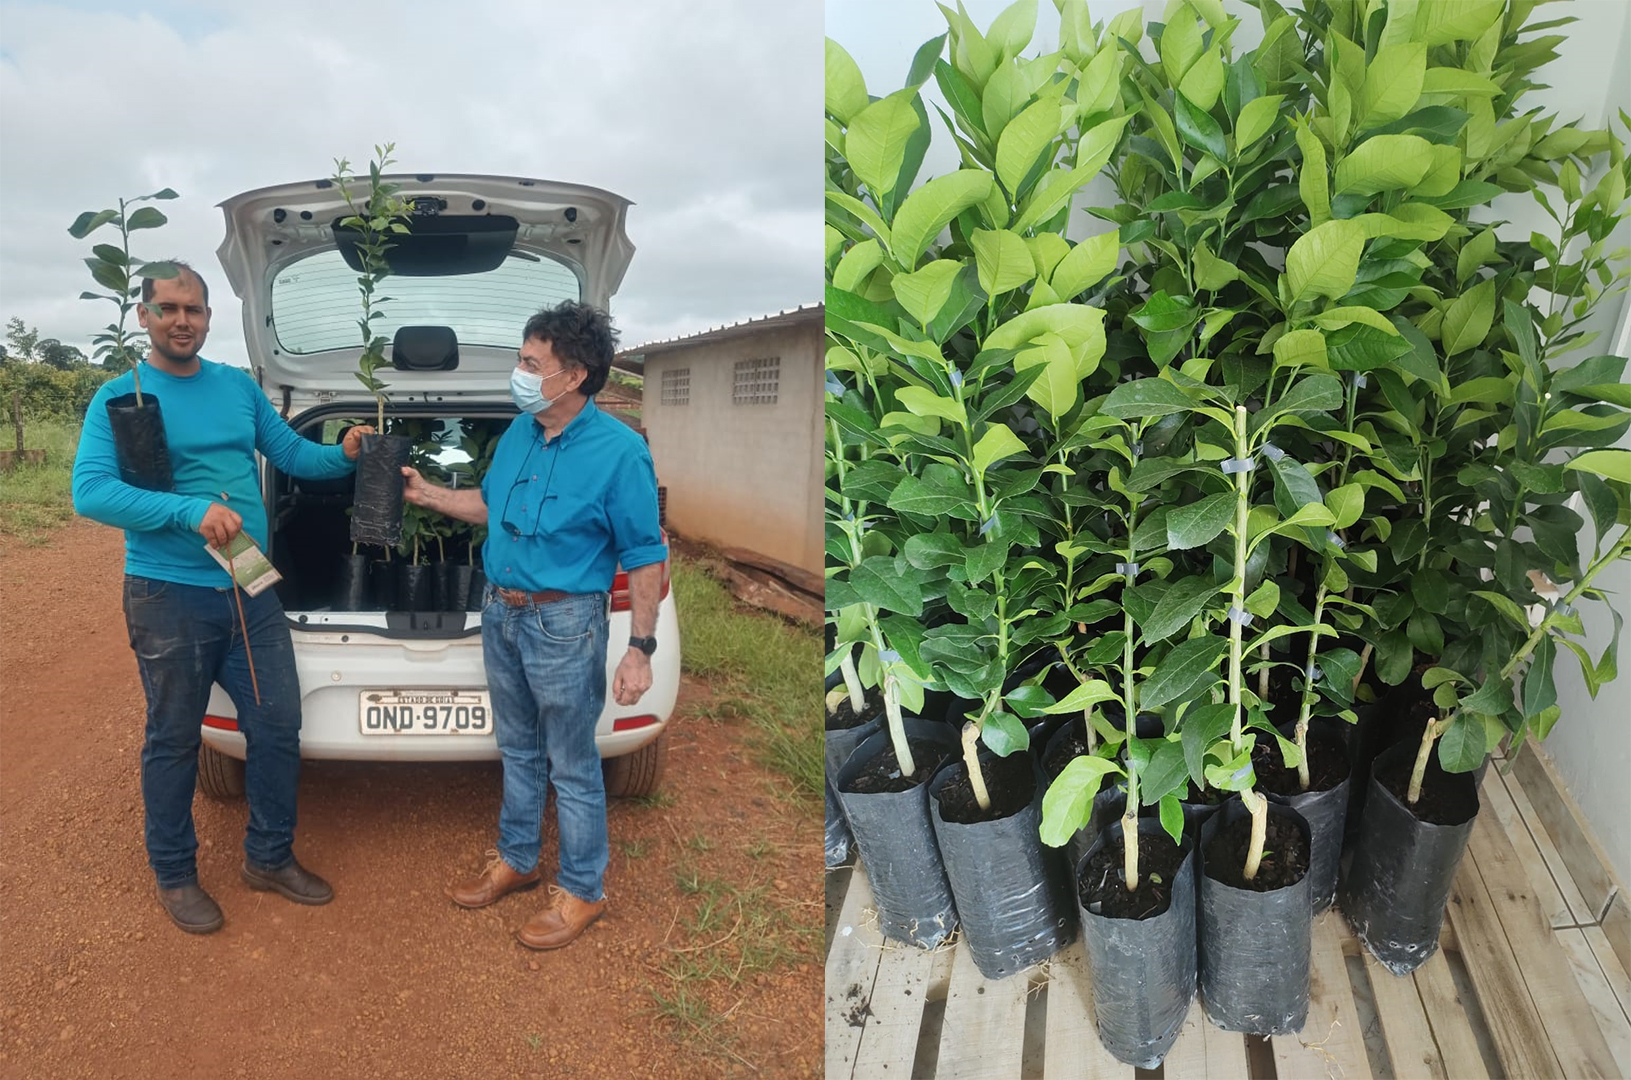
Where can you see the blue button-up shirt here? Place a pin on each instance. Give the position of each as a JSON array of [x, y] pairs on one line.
[[564, 513]]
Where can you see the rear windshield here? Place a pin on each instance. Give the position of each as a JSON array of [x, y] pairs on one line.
[[316, 305]]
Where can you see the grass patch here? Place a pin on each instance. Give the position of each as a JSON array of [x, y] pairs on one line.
[[633, 849], [759, 667], [36, 499]]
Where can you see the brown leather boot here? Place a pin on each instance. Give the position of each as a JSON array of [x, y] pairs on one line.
[[496, 880], [561, 922]]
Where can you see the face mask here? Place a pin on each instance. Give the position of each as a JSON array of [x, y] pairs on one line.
[[527, 390]]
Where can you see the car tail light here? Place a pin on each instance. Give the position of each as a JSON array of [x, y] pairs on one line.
[[223, 723], [629, 723], [620, 586]]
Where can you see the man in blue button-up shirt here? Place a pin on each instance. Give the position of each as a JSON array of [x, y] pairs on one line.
[[570, 495]]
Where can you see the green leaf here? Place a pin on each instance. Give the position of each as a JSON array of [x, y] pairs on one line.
[[1068, 802], [1145, 398], [1202, 726], [1347, 504], [928, 210], [1325, 260], [1609, 464], [997, 443], [879, 581], [1468, 318], [875, 144], [1172, 816], [1506, 606], [1393, 83], [913, 496], [1005, 734], [1003, 259], [1196, 524], [1163, 774], [846, 88], [1314, 393], [1257, 119], [1384, 163], [922, 401], [1058, 388], [1087, 264], [1338, 317], [1198, 129], [1181, 44], [1539, 691], [146, 217], [89, 221], [1084, 696], [1300, 348], [1212, 272], [1311, 178], [1187, 669], [1023, 141], [924, 292], [1443, 21], [1178, 606], [859, 261], [1203, 83], [1461, 747]]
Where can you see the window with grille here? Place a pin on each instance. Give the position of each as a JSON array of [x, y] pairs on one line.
[[756, 380], [677, 386]]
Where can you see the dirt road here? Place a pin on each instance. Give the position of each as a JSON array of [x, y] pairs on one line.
[[390, 980]]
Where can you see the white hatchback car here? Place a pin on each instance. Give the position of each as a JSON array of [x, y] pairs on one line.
[[388, 683]]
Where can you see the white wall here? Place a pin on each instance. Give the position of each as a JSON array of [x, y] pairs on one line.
[[1589, 83]]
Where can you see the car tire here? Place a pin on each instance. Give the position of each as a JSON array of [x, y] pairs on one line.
[[219, 776], [639, 773]]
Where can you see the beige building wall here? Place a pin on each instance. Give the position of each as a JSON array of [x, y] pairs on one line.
[[743, 475]]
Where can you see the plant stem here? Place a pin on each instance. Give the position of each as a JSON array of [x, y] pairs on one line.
[[897, 726], [1429, 735], [1263, 675], [857, 695], [1259, 808], [1129, 838], [971, 759], [1621, 547], [1364, 659], [1309, 693], [1242, 512]]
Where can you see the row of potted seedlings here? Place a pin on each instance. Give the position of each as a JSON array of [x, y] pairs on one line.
[[1195, 547]]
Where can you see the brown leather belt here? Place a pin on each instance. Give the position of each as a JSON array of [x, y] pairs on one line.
[[519, 598]]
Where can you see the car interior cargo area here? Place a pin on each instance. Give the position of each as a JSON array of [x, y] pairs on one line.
[[425, 583]]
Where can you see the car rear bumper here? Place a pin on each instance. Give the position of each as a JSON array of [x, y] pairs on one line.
[[335, 669]]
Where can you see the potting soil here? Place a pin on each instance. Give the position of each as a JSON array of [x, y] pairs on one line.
[[845, 717], [1284, 861], [881, 772], [1327, 764], [1102, 880], [1439, 803], [1008, 781]]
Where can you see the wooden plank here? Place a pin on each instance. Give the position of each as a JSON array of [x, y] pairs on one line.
[[1576, 1040], [984, 1018], [1556, 810], [1188, 1054], [906, 979], [1618, 981], [1498, 801], [1548, 850], [1605, 1010], [1410, 1044], [852, 969], [1617, 928], [1226, 1054], [1332, 1041], [1520, 1037], [1072, 1050], [1447, 1016]]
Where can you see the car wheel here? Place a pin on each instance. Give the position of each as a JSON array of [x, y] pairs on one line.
[[639, 773], [219, 776]]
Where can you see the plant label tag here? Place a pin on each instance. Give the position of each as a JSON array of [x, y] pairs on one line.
[[247, 564]]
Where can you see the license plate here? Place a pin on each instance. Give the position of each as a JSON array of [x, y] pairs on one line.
[[425, 712]]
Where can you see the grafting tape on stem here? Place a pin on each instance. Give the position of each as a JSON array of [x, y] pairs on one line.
[[1335, 541], [1313, 673], [1237, 465], [1129, 568], [985, 526], [1360, 382], [1272, 452], [1244, 618], [888, 656]]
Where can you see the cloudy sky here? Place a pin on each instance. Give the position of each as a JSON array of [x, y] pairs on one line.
[[707, 115]]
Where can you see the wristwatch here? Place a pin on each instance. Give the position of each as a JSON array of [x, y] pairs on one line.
[[647, 645]]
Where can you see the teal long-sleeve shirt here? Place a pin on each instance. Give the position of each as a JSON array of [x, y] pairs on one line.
[[214, 421]]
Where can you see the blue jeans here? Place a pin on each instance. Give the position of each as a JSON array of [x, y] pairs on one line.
[[186, 637], [546, 669]]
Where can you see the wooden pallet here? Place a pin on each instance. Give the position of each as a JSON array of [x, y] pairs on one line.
[[1530, 981]]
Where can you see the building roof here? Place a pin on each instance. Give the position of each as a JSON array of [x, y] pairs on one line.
[[808, 313]]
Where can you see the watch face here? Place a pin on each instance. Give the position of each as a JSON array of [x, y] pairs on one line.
[[647, 645]]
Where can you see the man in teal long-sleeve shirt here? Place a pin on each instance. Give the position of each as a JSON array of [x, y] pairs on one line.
[[179, 604]]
